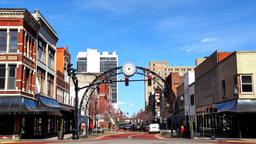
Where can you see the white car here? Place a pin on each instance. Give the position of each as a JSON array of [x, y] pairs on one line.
[[154, 128]]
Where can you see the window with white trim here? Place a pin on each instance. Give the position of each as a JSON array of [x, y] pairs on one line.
[[246, 84], [51, 54], [3, 40], [50, 84], [13, 41], [11, 77], [41, 50]]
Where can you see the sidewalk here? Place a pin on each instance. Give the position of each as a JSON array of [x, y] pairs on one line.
[[66, 137], [218, 139]]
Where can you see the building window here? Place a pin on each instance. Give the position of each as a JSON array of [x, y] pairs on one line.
[[13, 41], [51, 58], [12, 77], [2, 76], [192, 100], [50, 81], [246, 83], [41, 51], [41, 80], [27, 80], [3, 41], [223, 88], [28, 45]]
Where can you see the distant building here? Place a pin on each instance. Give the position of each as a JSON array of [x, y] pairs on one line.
[[104, 104], [93, 61], [163, 69], [174, 80], [189, 98]]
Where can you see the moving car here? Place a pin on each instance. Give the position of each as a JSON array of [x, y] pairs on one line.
[[154, 128]]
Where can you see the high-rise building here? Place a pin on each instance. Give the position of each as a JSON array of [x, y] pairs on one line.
[[162, 69], [93, 61]]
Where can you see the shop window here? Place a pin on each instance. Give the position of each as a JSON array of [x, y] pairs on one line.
[[246, 83], [2, 76], [12, 77]]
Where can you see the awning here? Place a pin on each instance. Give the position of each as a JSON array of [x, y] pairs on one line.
[[48, 102], [66, 108], [17, 104], [237, 106]]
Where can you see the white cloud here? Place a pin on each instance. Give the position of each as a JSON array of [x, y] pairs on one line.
[[122, 103], [126, 103], [208, 40]]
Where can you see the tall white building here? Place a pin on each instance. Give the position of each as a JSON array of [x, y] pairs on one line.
[[93, 61], [189, 93]]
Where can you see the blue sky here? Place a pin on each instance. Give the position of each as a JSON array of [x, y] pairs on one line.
[[143, 30]]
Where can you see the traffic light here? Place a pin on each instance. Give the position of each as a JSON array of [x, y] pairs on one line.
[[149, 80], [126, 81], [69, 69]]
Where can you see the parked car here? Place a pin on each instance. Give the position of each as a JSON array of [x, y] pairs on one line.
[[127, 126], [154, 128], [98, 130], [121, 126], [135, 127], [143, 128]]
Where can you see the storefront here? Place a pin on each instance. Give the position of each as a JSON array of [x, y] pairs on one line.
[[27, 118]]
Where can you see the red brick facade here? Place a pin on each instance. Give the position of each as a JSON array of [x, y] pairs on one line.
[[63, 58], [24, 60]]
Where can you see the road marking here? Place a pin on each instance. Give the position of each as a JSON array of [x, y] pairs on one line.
[[130, 137], [160, 137]]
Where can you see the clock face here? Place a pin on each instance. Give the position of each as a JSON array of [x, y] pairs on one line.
[[129, 69]]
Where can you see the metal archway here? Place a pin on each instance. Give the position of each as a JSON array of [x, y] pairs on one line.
[[106, 78]]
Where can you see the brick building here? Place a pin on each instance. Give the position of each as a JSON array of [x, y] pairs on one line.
[[174, 79], [225, 94], [104, 105], [28, 105], [18, 40], [63, 88]]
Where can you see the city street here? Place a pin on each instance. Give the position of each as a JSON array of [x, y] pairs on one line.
[[134, 138]]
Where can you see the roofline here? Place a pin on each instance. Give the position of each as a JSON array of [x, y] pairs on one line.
[[46, 22], [20, 10]]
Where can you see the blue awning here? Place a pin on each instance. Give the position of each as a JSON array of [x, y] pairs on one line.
[[30, 104], [48, 102], [17, 104], [226, 106], [237, 106]]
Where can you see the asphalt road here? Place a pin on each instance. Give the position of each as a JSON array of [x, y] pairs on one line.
[[131, 138]]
